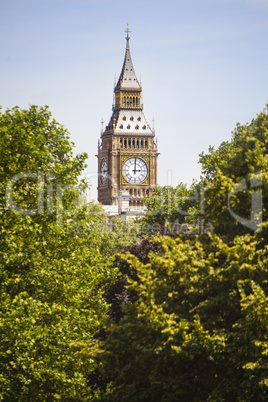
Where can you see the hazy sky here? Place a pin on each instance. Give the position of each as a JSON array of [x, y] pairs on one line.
[[203, 63]]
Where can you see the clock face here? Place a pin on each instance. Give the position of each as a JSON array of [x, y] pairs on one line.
[[103, 171], [135, 170]]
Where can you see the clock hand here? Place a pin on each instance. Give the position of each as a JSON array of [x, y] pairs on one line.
[[135, 166], [136, 170]]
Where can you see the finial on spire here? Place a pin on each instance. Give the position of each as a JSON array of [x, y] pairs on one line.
[[127, 31]]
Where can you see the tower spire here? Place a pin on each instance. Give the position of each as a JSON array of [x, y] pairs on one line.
[[127, 78]]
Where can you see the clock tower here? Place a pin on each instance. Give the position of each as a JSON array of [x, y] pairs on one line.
[[127, 151]]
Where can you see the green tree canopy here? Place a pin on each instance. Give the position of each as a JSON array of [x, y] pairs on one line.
[[198, 330], [169, 205], [32, 140], [52, 273], [235, 180]]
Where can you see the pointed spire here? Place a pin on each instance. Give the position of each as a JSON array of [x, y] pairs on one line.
[[128, 79]]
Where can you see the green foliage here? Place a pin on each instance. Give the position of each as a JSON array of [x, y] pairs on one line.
[[235, 180], [118, 234], [198, 330], [31, 140], [47, 319], [51, 271], [170, 205], [188, 318]]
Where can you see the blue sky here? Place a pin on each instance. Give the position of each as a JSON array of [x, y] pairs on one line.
[[203, 64]]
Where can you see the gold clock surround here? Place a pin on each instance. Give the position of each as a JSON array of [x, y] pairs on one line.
[[145, 159]]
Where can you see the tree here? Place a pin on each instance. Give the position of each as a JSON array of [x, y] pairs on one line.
[[197, 326], [118, 234], [170, 205], [52, 274], [235, 178], [198, 329]]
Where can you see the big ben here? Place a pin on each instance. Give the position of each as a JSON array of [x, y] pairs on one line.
[[127, 151]]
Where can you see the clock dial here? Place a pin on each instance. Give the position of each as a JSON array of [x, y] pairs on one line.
[[103, 171], [135, 170]]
